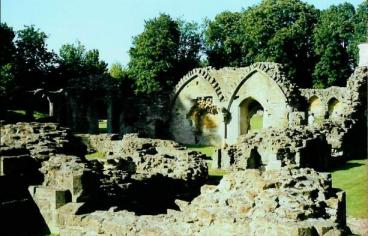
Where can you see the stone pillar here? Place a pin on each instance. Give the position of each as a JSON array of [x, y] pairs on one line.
[[92, 119], [112, 117], [363, 54]]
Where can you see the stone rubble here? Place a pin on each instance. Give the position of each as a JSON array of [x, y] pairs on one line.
[[251, 202], [274, 148]]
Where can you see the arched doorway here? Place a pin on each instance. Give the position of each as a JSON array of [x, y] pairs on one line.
[[251, 116], [334, 108], [315, 110]]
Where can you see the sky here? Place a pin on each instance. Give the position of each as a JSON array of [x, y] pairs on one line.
[[110, 25]]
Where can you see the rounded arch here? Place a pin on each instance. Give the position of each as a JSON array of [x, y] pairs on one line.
[[315, 106], [193, 74], [250, 115], [334, 107]]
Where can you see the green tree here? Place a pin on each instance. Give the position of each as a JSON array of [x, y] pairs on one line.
[[281, 31], [7, 47], [117, 71], [332, 37], [6, 81], [163, 53], [223, 40], [190, 47], [76, 62], [360, 22], [33, 60], [278, 31], [153, 56], [7, 52]]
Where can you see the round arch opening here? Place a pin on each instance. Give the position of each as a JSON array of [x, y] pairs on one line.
[[315, 107], [334, 108], [251, 116]]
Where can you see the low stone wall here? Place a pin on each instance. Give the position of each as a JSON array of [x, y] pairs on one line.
[[143, 175], [286, 202], [274, 148]]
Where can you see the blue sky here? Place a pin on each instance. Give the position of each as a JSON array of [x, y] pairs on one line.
[[109, 25]]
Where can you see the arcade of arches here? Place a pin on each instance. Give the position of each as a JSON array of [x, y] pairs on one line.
[[246, 100]]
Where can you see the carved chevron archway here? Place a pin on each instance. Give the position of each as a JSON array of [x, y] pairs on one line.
[[193, 74], [272, 70]]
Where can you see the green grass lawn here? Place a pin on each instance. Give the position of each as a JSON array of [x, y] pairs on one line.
[[256, 122], [353, 179], [20, 115], [95, 155], [102, 126]]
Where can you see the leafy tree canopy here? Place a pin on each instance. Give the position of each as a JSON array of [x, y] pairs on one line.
[[162, 53], [76, 61], [7, 52], [333, 35], [33, 60], [7, 47], [117, 71], [278, 31], [223, 40], [360, 30]]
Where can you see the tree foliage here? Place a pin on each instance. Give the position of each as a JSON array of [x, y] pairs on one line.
[[117, 71], [33, 59], [333, 35], [360, 30], [223, 40], [7, 51], [76, 61], [162, 53], [281, 31], [153, 55], [278, 31], [7, 47], [190, 47]]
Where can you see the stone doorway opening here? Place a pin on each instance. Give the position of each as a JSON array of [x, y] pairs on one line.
[[334, 108], [251, 116]]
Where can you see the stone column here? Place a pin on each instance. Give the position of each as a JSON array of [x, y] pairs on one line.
[[112, 117], [92, 119], [363, 54]]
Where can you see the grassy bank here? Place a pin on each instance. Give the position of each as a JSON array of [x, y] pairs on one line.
[[352, 177]]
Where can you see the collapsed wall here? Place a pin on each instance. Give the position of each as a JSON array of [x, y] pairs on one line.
[[285, 202], [274, 148], [41, 178], [23, 149]]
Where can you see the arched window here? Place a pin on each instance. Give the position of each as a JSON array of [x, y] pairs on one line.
[[251, 115], [334, 108]]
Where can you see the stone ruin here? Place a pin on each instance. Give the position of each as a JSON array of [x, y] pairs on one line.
[[150, 187], [261, 114], [43, 167], [145, 186]]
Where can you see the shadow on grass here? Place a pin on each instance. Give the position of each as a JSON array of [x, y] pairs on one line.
[[347, 166]]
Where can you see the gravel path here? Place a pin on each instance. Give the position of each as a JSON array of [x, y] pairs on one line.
[[358, 226]]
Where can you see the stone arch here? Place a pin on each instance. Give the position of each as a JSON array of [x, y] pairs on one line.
[[190, 123], [274, 72], [335, 108], [266, 84], [250, 110], [315, 107], [193, 74]]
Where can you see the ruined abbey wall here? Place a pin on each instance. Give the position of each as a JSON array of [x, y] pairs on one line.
[[184, 121], [236, 94], [327, 103]]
